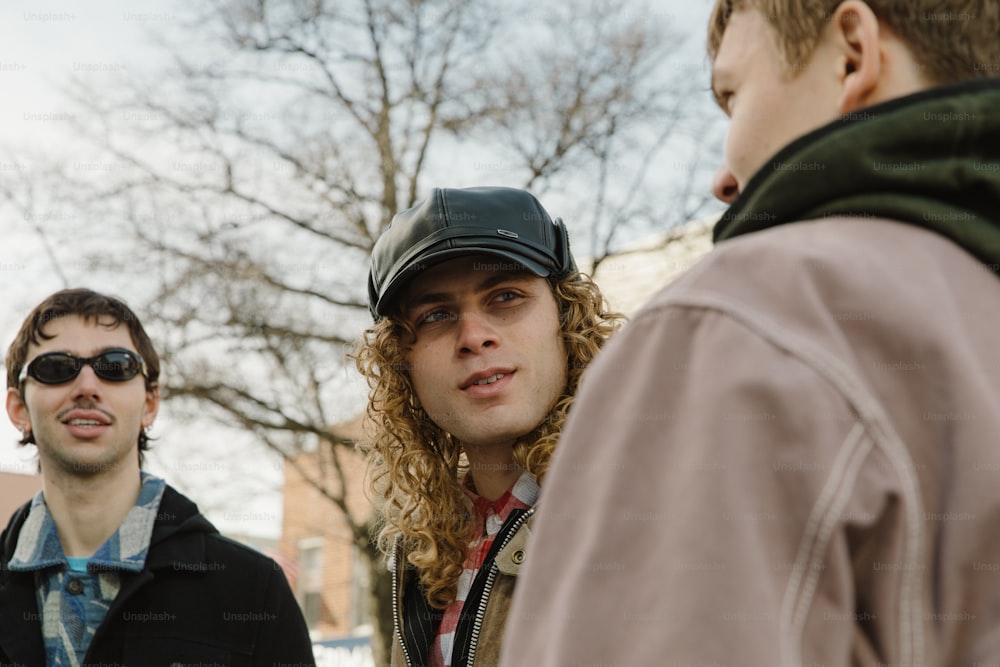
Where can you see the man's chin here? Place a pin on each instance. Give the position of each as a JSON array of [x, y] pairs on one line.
[[83, 466], [499, 439]]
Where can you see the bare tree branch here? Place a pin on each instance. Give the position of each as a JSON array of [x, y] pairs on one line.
[[255, 181]]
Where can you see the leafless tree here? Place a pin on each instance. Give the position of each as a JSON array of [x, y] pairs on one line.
[[23, 180], [253, 176]]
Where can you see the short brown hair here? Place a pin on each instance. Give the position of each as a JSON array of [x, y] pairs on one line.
[[91, 306], [950, 42]]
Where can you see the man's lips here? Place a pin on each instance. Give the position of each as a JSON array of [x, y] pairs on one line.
[[486, 377], [86, 424], [85, 418]]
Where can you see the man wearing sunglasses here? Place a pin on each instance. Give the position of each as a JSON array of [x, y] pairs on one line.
[[108, 564]]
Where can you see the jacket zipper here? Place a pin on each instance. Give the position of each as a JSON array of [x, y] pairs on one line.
[[477, 625], [396, 621]]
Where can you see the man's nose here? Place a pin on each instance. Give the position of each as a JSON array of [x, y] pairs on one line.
[[87, 384], [475, 332], [724, 185]]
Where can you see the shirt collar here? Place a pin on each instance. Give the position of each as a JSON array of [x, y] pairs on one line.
[[521, 495], [38, 546]]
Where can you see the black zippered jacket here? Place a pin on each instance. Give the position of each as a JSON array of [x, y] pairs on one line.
[[484, 614], [201, 599]]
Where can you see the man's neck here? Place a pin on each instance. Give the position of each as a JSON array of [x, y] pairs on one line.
[[88, 510], [493, 469]]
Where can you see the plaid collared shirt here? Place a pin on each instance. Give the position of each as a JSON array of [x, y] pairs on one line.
[[491, 517], [73, 604]]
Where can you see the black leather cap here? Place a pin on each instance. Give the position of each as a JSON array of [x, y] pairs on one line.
[[504, 222]]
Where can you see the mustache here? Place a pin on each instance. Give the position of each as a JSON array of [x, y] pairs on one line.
[[85, 404]]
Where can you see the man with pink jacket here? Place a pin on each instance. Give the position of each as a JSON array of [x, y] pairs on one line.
[[789, 456]]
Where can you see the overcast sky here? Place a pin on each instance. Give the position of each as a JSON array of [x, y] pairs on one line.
[[42, 44]]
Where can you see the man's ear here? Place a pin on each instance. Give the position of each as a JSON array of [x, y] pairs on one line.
[[152, 406], [17, 410], [856, 33]]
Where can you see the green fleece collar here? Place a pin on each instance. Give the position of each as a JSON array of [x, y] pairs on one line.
[[931, 159]]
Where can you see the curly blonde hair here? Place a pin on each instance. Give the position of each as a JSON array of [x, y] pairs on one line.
[[415, 467]]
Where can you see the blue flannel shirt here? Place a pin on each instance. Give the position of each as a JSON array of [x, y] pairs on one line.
[[73, 604]]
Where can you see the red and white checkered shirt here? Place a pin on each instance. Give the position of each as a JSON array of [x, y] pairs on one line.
[[491, 517]]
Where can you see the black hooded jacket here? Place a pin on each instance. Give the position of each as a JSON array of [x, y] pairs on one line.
[[201, 599]]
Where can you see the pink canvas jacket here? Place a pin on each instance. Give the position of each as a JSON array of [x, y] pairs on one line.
[[791, 456]]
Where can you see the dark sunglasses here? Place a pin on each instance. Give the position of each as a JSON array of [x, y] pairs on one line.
[[117, 365]]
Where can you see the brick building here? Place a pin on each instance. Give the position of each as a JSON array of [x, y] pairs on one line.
[[316, 548], [15, 490]]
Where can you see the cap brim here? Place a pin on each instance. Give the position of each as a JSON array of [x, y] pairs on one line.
[[507, 261]]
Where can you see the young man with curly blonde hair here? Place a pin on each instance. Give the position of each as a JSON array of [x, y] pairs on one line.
[[805, 424], [483, 328]]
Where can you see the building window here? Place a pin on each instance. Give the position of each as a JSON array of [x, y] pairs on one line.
[[311, 580]]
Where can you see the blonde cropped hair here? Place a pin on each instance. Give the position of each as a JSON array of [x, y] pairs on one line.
[[950, 41], [415, 467]]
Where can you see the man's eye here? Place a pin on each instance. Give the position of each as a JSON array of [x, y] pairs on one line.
[[506, 296], [435, 316]]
